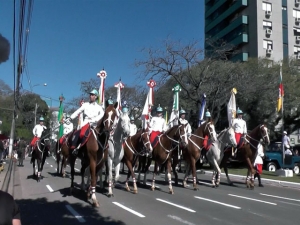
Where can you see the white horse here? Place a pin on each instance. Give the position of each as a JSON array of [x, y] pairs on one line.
[[115, 150], [216, 152]]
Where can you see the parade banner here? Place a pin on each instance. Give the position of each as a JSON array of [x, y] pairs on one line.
[[101, 98], [281, 92], [148, 104], [80, 116], [61, 116], [175, 108], [202, 110], [231, 107], [119, 87]]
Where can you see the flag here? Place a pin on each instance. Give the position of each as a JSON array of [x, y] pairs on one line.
[[281, 92], [61, 117], [148, 104], [175, 109], [202, 110], [101, 98], [80, 116], [231, 107], [166, 116], [119, 87]]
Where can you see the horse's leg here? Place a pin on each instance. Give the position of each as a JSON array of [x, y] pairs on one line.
[[252, 172], [39, 170], [130, 172], [33, 166], [57, 163], [168, 170], [82, 173], [218, 172], [193, 166], [93, 160], [174, 166], [72, 159], [153, 178], [187, 170], [109, 162], [63, 166], [224, 166], [146, 168]]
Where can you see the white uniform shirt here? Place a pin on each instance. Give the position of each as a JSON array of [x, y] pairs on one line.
[[188, 128], [38, 130], [260, 154], [239, 126], [133, 129], [288, 152], [68, 128], [286, 141], [158, 124], [92, 113]]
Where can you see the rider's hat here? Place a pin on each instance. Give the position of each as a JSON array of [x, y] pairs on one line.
[[94, 92], [239, 111], [159, 109], [207, 114], [182, 111], [41, 118], [125, 109], [131, 118]]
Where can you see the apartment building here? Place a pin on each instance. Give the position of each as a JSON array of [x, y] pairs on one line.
[[257, 28]]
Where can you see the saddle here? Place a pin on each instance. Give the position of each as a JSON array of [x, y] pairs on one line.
[[80, 136]]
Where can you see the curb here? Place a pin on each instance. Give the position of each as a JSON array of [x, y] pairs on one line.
[[265, 180], [7, 185]]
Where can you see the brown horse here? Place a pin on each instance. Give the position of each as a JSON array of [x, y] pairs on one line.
[[93, 151], [135, 146], [163, 151], [192, 152], [62, 153], [247, 152]]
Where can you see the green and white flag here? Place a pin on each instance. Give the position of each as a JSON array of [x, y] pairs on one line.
[[175, 109]]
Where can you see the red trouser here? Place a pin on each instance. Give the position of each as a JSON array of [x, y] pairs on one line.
[[34, 140], [238, 139]]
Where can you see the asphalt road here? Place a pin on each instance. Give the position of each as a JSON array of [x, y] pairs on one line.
[[48, 202]]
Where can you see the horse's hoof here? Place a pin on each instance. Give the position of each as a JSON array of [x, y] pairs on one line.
[[213, 185], [196, 188], [96, 204], [171, 192], [110, 195], [135, 191], [152, 188], [127, 189], [231, 184]]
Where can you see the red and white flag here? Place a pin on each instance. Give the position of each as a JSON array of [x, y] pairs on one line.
[[148, 104], [119, 87], [101, 98]]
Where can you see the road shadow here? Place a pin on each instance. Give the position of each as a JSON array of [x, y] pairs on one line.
[[42, 212]]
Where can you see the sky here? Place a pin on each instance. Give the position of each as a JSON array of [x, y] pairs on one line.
[[70, 41]]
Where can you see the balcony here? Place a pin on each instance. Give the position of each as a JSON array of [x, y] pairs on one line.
[[243, 38]]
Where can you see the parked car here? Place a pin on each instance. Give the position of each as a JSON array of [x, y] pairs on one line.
[[273, 159]]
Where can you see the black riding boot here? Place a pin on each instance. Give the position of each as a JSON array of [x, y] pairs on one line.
[[259, 180]]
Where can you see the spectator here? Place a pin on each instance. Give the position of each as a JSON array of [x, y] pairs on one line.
[[9, 210], [1, 150], [258, 163], [286, 140], [21, 151]]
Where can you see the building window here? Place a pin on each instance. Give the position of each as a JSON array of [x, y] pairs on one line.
[[268, 44], [296, 50], [283, 8], [296, 13], [296, 31], [267, 25], [267, 6]]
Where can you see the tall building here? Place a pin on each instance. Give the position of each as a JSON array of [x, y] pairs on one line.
[[257, 28]]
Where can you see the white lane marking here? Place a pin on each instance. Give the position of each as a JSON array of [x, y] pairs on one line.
[[180, 220], [76, 214], [129, 210], [252, 199], [274, 196], [76, 169], [51, 165], [49, 188], [173, 204], [289, 203], [221, 203]]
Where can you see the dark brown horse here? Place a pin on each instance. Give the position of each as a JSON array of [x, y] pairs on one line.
[[93, 151], [192, 152], [163, 151], [134, 147], [39, 154], [247, 152]]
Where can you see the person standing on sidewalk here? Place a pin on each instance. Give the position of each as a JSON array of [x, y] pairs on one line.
[[258, 163]]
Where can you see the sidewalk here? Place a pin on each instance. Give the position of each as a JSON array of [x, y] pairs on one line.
[[7, 176]]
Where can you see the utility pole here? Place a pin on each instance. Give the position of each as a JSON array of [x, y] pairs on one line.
[[35, 111]]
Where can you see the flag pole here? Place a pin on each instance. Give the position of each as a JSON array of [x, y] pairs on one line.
[[282, 118]]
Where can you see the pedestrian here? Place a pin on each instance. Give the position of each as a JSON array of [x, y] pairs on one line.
[[286, 140], [21, 151], [1, 150], [9, 210], [258, 163]]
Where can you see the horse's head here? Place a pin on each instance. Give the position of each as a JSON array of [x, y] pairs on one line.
[[146, 140], [230, 137], [208, 129], [179, 133], [110, 117], [264, 134], [124, 121]]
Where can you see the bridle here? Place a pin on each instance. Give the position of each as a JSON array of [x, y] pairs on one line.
[[261, 134]]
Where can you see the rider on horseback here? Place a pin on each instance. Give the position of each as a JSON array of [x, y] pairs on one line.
[[157, 124], [205, 141], [133, 128], [240, 128], [92, 113]]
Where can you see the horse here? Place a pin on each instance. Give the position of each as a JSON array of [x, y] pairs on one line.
[[216, 152], [93, 150], [115, 149], [192, 152], [163, 150], [134, 147], [247, 152], [62, 153], [39, 154]]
